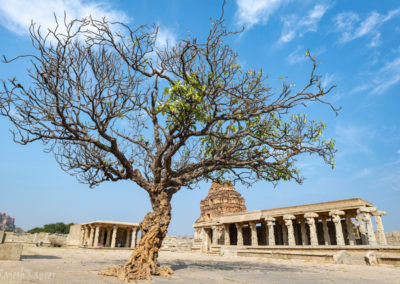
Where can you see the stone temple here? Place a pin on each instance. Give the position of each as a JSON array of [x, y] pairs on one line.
[[225, 223], [327, 231], [222, 199]]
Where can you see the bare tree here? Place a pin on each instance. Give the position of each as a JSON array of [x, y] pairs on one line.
[[112, 104]]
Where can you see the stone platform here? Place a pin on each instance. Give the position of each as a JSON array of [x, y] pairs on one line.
[[360, 255]]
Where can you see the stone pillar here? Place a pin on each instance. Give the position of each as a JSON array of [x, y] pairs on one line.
[[239, 234], [81, 237], [227, 237], [271, 234], [327, 238], [254, 238], [128, 237], [284, 233], [114, 236], [133, 237], [304, 240], [289, 228], [296, 233], [350, 231], [379, 226], [102, 236], [91, 237], [336, 219], [108, 239], [205, 240], [197, 233], [313, 230], [96, 237], [85, 238], [366, 211], [363, 231], [214, 235]]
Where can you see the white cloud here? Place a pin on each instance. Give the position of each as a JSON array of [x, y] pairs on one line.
[[293, 25], [251, 12], [16, 16], [165, 38], [398, 152], [350, 26]]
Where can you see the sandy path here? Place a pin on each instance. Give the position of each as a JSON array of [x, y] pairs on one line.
[[64, 265]]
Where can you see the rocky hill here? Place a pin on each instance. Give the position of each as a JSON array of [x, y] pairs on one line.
[[6, 222]]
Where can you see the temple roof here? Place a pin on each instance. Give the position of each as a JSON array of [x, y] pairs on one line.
[[104, 222], [351, 204]]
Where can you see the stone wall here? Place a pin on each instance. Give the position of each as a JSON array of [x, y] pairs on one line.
[[177, 244], [74, 235], [44, 239], [393, 238]]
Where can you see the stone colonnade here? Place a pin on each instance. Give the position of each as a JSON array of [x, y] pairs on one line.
[[334, 227], [106, 235]]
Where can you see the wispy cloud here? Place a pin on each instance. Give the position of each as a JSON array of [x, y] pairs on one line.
[[354, 138], [16, 16], [252, 12], [382, 79], [350, 26], [361, 174], [387, 76], [294, 25], [299, 54], [327, 80]]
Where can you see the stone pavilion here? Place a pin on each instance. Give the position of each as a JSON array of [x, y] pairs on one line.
[[224, 221]]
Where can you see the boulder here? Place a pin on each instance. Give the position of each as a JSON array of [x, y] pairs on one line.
[[10, 251]]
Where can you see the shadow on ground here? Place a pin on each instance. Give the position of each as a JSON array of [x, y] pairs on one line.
[[228, 266], [39, 257]]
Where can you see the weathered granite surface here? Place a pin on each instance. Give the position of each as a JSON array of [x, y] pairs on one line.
[[393, 238], [11, 251]]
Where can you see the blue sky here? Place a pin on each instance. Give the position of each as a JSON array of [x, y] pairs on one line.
[[357, 42]]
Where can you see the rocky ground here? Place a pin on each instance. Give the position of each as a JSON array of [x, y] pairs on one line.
[[67, 265]]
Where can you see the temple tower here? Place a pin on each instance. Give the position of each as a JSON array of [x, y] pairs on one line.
[[222, 199]]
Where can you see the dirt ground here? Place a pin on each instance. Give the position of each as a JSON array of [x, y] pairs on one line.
[[68, 265]]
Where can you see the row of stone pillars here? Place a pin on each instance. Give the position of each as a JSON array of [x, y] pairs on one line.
[[289, 234], [92, 236]]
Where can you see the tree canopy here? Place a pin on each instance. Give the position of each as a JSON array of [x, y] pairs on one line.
[[56, 228], [112, 104]]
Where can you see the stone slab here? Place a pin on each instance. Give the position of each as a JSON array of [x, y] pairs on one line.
[[11, 251], [2, 236]]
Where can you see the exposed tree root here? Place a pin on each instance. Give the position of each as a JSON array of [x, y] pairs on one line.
[[136, 274]]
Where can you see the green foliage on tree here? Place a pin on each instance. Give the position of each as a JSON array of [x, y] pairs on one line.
[[56, 228]]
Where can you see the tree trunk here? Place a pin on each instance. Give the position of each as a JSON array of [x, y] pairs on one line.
[[143, 260]]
